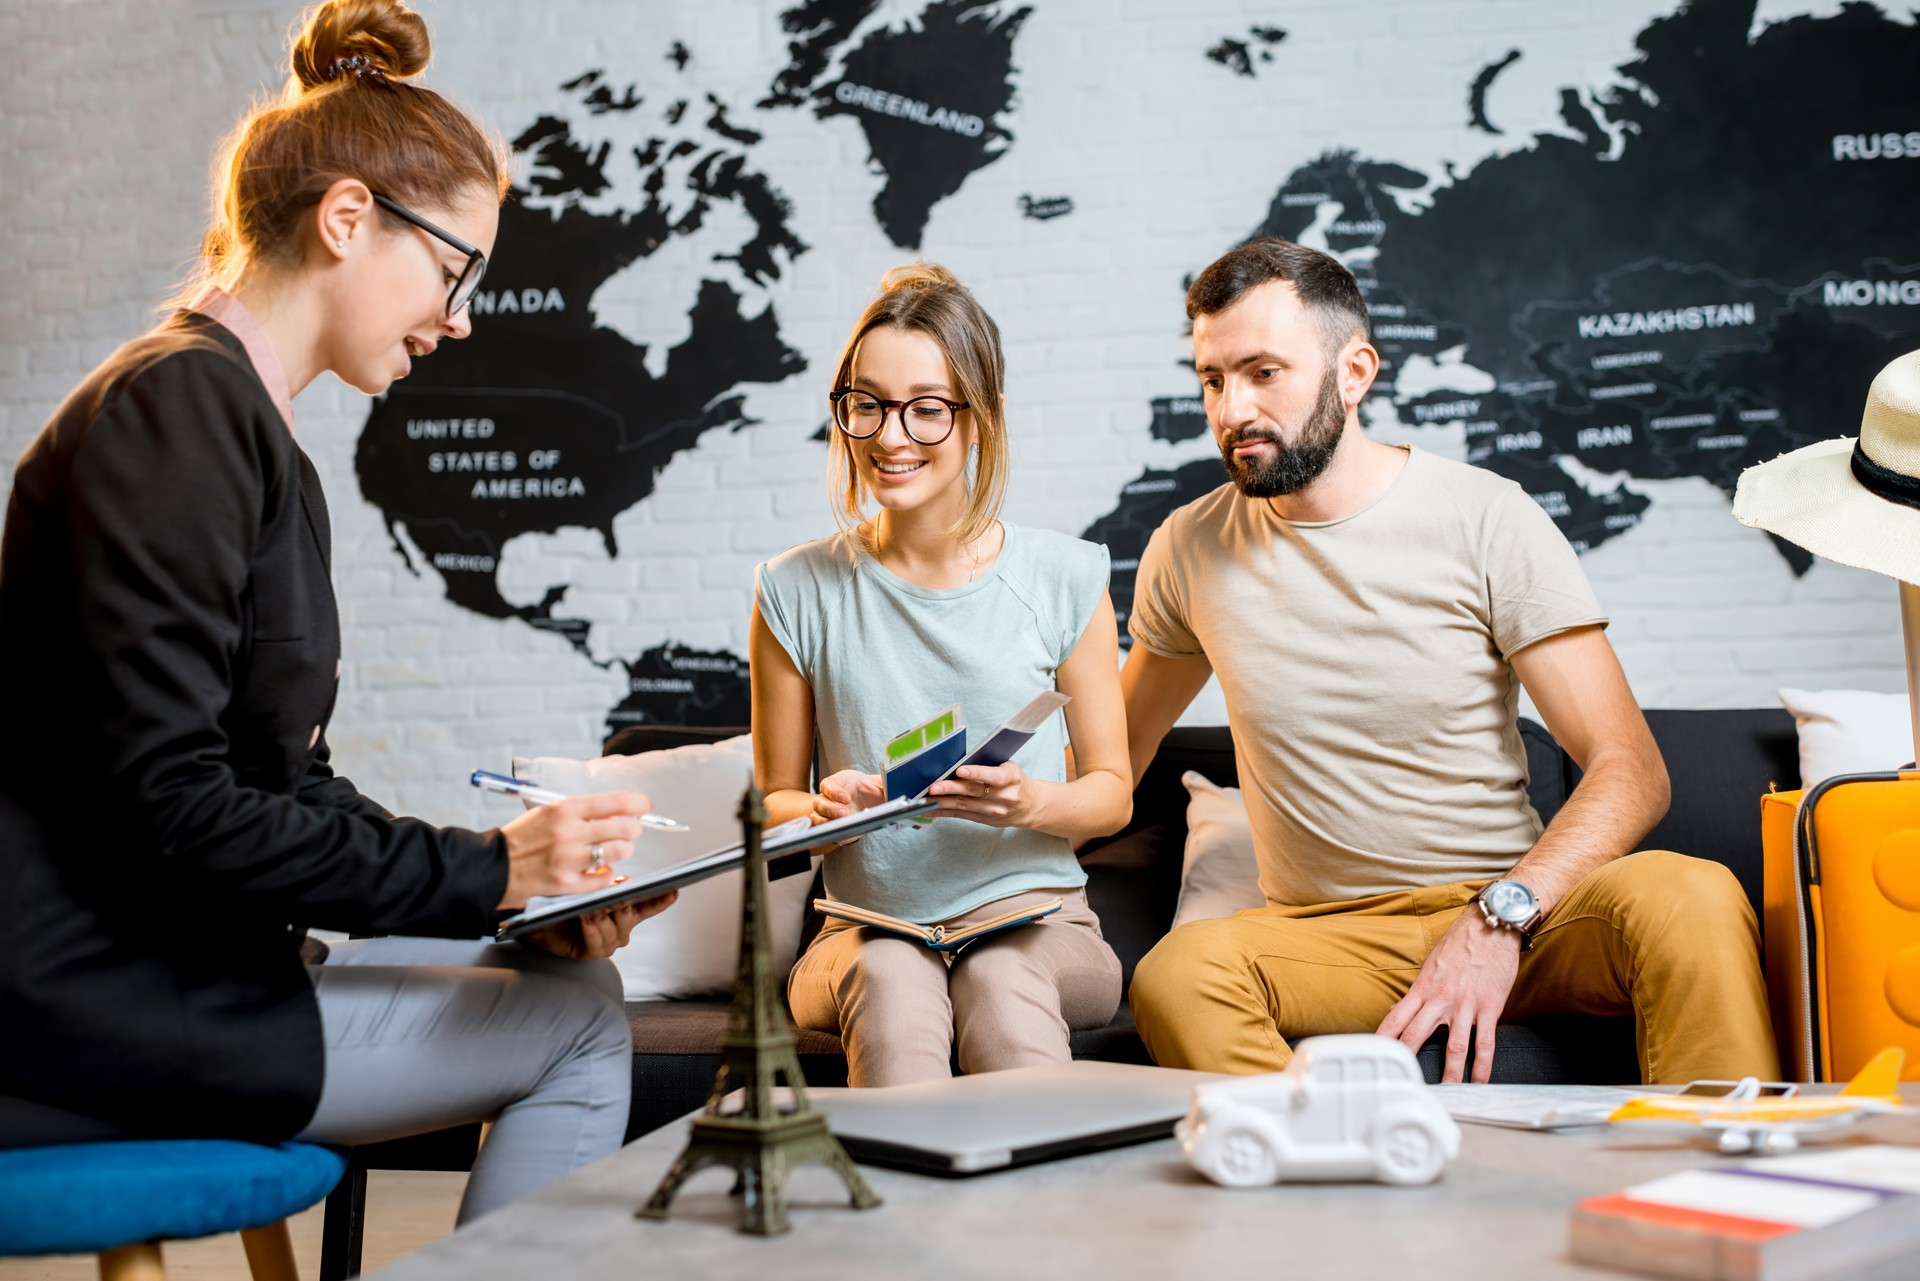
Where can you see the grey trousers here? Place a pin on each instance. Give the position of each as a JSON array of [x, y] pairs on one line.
[[1009, 1000], [427, 1033]]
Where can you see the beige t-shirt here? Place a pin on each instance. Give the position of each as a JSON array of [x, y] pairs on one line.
[[1364, 663]]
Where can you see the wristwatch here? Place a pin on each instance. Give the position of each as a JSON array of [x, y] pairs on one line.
[[1509, 905]]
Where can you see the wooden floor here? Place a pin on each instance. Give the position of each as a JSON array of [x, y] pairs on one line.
[[405, 1210]]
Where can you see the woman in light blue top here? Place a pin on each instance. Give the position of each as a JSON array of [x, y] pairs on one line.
[[929, 602]]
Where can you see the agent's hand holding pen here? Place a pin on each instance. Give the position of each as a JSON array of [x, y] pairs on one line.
[[565, 847]]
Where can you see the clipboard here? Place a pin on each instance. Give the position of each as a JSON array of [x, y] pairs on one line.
[[787, 839]]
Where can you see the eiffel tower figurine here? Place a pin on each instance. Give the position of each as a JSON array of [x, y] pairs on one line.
[[761, 1142]]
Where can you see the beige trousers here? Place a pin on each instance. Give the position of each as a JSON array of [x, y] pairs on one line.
[[1009, 999], [1666, 939]]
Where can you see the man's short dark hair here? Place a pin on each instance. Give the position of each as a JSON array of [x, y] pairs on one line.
[[1327, 290]]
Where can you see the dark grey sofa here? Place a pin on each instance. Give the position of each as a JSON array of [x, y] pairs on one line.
[[1720, 762]]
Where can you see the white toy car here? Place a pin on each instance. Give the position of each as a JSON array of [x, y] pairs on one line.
[[1347, 1107]]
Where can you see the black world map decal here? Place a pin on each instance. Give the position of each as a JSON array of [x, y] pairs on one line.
[[1702, 277], [1705, 268]]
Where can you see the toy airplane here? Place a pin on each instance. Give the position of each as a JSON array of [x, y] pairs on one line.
[[1742, 1122]]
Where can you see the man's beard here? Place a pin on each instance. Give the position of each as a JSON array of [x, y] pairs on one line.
[[1293, 467]]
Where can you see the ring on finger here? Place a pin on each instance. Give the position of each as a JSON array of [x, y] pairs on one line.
[[596, 859]]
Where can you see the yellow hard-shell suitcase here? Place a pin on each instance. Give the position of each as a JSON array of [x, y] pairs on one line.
[[1842, 907]]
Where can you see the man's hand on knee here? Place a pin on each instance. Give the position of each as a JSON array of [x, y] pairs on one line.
[[1464, 983]]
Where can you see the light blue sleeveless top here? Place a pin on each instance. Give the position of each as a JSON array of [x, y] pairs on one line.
[[883, 655]]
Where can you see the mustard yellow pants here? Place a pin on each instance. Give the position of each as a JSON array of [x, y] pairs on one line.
[[1667, 939]]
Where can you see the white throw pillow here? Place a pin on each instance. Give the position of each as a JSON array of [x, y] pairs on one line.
[[1849, 731], [1219, 876], [693, 948]]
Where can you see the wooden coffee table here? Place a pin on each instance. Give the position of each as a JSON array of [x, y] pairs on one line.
[[1500, 1211]]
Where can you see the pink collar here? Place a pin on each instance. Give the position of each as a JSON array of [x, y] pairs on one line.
[[229, 312]]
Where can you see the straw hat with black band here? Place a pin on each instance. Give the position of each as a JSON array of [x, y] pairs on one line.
[[1854, 501]]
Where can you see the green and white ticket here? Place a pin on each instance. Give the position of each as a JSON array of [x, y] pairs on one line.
[[921, 737]]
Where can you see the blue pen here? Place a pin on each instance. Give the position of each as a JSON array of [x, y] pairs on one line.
[[488, 781]]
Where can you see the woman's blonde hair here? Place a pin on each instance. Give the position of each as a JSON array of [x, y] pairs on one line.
[[349, 110], [927, 299]]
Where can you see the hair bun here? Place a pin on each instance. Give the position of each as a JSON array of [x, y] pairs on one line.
[[391, 38], [918, 275]]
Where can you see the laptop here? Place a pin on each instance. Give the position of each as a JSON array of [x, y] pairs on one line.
[[998, 1120]]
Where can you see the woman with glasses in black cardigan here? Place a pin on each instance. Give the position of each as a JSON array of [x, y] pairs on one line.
[[170, 824]]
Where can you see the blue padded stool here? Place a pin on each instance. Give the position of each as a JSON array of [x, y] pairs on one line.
[[120, 1200]]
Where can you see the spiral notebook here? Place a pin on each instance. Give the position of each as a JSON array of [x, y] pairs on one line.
[[937, 937]]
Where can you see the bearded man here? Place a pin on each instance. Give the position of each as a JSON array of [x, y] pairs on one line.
[[1372, 612]]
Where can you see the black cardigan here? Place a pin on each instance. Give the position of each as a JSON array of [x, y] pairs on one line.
[[169, 825]]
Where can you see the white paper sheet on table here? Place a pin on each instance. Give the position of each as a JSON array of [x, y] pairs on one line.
[[1532, 1107]]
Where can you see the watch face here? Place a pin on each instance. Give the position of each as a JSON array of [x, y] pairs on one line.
[[1511, 901]]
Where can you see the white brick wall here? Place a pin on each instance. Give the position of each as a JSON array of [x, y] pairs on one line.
[[110, 109]]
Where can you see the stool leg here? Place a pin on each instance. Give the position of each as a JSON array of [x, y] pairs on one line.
[[133, 1263], [270, 1253], [344, 1225]]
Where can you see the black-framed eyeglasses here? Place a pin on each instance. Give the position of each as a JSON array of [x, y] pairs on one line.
[[462, 292], [927, 420]]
